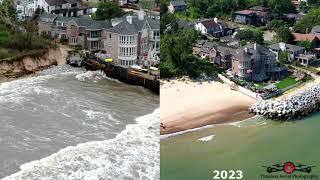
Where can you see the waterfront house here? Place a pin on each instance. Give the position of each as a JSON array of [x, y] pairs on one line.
[[134, 40], [223, 56], [177, 5], [78, 31], [213, 27], [254, 62], [256, 15], [87, 33], [293, 50], [205, 49], [196, 49]]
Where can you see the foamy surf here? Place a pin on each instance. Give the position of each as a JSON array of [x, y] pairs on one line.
[[207, 138], [132, 154], [93, 76]]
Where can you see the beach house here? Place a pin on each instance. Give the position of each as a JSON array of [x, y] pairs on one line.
[[133, 40], [254, 62]]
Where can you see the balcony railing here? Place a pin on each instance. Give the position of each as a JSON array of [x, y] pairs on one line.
[[156, 38]]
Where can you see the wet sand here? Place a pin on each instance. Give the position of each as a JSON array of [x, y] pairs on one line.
[[186, 104]]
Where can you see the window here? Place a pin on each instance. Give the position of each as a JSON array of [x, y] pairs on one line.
[[94, 34], [73, 40], [110, 36]]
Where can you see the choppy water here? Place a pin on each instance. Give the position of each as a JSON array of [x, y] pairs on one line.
[[66, 123], [249, 146]]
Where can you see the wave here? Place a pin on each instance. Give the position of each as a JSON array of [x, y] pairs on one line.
[[16, 91], [207, 138], [253, 121], [93, 75], [132, 154]]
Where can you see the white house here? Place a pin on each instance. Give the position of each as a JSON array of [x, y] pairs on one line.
[[213, 26]]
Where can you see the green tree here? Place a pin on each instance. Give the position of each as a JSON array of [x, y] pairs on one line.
[[7, 13], [168, 20], [107, 11], [306, 44], [283, 34], [275, 24], [311, 19], [163, 6], [250, 35], [303, 6], [283, 57], [280, 7]]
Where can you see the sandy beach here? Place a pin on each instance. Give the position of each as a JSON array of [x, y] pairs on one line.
[[187, 104]]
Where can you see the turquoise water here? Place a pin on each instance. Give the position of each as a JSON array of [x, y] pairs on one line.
[[246, 146]]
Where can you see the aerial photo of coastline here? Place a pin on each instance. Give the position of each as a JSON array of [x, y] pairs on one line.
[[239, 87], [78, 98]]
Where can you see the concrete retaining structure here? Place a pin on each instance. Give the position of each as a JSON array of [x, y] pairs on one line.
[[239, 88]]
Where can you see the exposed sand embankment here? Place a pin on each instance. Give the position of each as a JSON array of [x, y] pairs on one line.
[[187, 104]]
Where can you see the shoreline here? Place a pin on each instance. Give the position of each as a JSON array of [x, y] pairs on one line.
[[165, 136], [187, 104], [230, 115]]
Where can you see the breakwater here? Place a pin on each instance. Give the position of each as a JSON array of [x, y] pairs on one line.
[[296, 106], [123, 75]]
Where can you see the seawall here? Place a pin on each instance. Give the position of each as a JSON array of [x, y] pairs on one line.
[[296, 106], [123, 75]]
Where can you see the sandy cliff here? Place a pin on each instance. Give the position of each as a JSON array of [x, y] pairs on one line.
[[34, 63]]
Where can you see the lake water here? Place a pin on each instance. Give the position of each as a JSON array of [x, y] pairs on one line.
[[248, 146], [67, 123]]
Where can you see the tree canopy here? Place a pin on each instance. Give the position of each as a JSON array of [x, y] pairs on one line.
[[284, 35], [250, 35], [311, 19], [306, 44], [107, 11], [226, 8], [7, 12], [275, 24]]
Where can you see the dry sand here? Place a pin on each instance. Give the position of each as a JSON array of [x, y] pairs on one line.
[[186, 104]]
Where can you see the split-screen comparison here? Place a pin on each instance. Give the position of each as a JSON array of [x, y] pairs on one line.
[[159, 89]]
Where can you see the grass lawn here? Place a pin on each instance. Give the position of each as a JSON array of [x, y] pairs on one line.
[[288, 81]]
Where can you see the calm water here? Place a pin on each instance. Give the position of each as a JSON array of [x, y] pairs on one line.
[[246, 146], [44, 115]]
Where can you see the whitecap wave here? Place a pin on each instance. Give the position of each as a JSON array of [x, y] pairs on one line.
[[93, 76], [207, 138], [253, 121], [132, 154], [94, 115], [17, 91]]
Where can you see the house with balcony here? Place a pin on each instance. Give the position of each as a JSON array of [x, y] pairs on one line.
[[79, 31], [254, 62], [133, 39], [292, 50], [87, 33]]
